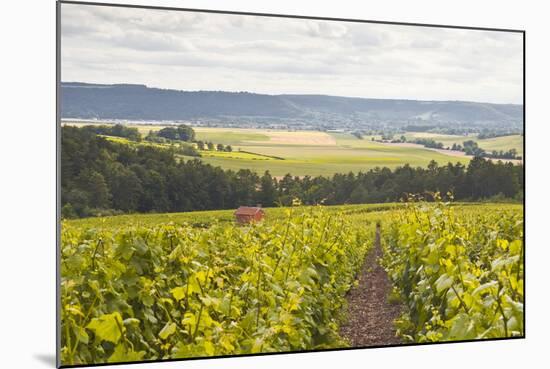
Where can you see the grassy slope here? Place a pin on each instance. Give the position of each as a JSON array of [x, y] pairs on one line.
[[359, 213], [503, 143], [233, 155], [333, 162], [346, 154], [229, 136], [341, 153], [498, 143]]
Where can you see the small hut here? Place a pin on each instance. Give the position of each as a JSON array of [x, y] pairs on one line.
[[249, 214]]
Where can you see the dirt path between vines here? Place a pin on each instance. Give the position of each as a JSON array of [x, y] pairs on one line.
[[370, 316]]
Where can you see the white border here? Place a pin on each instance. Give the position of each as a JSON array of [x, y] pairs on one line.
[[27, 124]]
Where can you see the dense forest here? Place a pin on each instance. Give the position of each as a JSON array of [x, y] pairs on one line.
[[100, 177]]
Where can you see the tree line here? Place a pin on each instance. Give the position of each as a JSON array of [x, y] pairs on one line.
[[101, 177], [469, 147], [117, 130]]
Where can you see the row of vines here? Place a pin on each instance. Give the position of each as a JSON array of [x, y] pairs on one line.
[[459, 273], [177, 291]]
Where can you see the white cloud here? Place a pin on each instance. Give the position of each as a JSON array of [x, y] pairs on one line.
[[205, 51], [326, 29]]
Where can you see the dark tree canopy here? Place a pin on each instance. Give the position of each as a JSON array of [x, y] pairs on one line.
[[104, 177], [181, 133], [117, 130]]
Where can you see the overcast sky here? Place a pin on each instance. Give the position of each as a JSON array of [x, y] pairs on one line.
[[204, 51]]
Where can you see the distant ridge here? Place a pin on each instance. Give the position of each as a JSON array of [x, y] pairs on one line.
[[139, 102]]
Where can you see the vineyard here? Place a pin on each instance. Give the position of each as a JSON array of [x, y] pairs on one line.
[[136, 288], [176, 291], [460, 276]]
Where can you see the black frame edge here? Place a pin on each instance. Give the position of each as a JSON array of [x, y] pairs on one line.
[[58, 183], [152, 7]]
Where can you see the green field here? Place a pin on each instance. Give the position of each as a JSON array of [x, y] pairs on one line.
[[238, 155], [345, 154], [503, 143], [229, 136], [226, 136], [314, 153], [489, 144], [320, 153]]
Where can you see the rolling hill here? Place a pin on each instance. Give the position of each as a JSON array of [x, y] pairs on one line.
[[139, 102]]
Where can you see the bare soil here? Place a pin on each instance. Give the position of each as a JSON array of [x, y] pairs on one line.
[[370, 316]]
